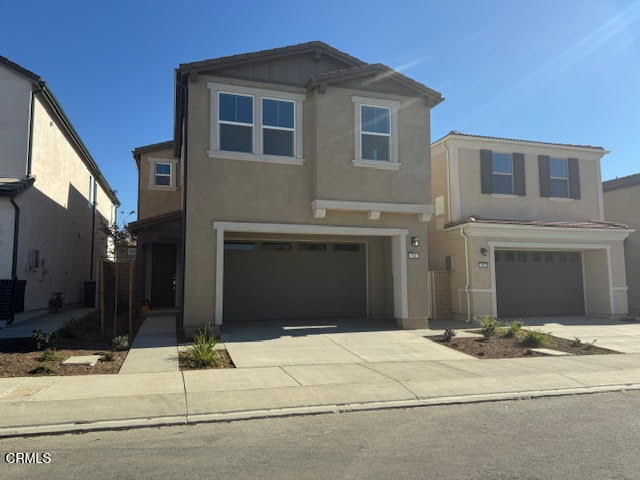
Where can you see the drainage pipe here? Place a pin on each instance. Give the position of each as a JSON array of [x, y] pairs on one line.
[[466, 270], [14, 260]]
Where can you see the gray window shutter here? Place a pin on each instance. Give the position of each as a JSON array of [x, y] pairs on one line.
[[545, 176], [486, 171], [574, 179], [519, 185]]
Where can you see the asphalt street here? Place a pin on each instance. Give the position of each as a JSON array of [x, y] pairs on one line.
[[580, 437]]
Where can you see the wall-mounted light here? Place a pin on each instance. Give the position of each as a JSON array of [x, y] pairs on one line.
[[483, 251], [415, 242]]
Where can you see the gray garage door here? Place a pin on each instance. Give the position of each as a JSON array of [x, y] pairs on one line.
[[531, 284], [289, 280]]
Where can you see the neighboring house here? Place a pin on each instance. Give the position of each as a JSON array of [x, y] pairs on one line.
[[298, 180], [53, 199], [519, 226], [622, 204]]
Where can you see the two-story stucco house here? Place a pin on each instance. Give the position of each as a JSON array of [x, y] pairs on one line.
[[53, 198], [520, 228], [621, 204], [300, 177]]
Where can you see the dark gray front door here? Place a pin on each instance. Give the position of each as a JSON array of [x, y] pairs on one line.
[[163, 275], [535, 284]]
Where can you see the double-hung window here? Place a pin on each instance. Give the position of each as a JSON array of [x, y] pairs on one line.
[[236, 122], [278, 127], [558, 177], [375, 133], [162, 174], [502, 174]]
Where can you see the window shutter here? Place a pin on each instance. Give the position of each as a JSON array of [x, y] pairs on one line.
[[486, 171], [519, 185], [574, 179], [545, 176]]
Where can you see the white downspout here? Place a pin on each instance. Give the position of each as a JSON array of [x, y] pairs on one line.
[[446, 149], [466, 270]]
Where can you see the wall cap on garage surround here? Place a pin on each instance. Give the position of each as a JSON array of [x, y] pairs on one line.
[[374, 209], [541, 232]]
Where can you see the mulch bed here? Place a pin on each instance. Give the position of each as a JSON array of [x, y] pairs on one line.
[[186, 363], [19, 356], [499, 346]]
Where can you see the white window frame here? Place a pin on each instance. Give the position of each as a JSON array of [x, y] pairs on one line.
[[258, 155], [240, 124], [493, 172], [566, 179], [172, 162], [393, 106], [262, 126]]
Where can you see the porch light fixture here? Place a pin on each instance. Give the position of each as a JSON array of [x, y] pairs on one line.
[[415, 242], [483, 252]]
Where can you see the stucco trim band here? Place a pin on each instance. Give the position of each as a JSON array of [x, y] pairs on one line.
[[320, 207]]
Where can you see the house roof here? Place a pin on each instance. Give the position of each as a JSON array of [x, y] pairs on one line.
[[375, 68], [621, 182], [12, 186], [155, 220], [153, 147], [455, 133], [590, 224], [55, 109]]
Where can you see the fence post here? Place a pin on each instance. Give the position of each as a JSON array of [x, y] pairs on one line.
[[130, 297], [101, 297]]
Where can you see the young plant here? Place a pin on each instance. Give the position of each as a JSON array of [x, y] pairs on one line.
[[576, 342], [120, 343], [202, 353], [514, 329], [49, 356], [205, 330], [42, 339], [489, 325], [449, 333], [43, 370], [590, 345], [107, 357], [70, 328], [535, 339]]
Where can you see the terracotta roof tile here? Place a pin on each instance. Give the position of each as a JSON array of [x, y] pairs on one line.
[[621, 182]]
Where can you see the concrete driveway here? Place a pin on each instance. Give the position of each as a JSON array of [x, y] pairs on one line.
[[268, 344], [623, 337]]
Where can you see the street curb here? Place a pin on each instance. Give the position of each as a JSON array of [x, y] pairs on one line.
[[131, 423]]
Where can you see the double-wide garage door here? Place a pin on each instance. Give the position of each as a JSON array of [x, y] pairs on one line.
[[532, 284], [291, 280]]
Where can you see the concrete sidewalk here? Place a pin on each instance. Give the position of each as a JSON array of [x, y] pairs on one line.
[[155, 348], [36, 405]]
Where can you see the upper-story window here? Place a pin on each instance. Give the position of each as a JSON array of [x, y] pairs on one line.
[[255, 124], [376, 133], [162, 173], [278, 127], [502, 173], [236, 122], [558, 177]]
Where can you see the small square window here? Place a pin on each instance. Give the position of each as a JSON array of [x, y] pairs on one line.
[[162, 174]]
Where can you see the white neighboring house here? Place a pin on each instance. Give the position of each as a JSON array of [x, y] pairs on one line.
[[53, 199]]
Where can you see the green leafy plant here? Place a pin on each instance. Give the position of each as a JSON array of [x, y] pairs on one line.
[[70, 328], [120, 343], [489, 325], [50, 356], [202, 353], [514, 329], [107, 357], [43, 370], [43, 339], [576, 342], [206, 331], [535, 339], [449, 333]]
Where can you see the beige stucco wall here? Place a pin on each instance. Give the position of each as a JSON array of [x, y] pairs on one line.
[[6, 237], [531, 206], [152, 201], [56, 217], [621, 205], [231, 190], [15, 94]]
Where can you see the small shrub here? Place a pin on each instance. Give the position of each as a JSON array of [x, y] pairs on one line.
[[43, 340], [120, 343], [449, 333], [590, 345], [43, 370], [107, 357], [576, 342], [205, 331], [50, 356], [514, 329], [535, 339], [70, 328], [489, 325], [202, 353]]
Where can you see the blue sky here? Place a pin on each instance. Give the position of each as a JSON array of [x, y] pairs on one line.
[[552, 70]]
